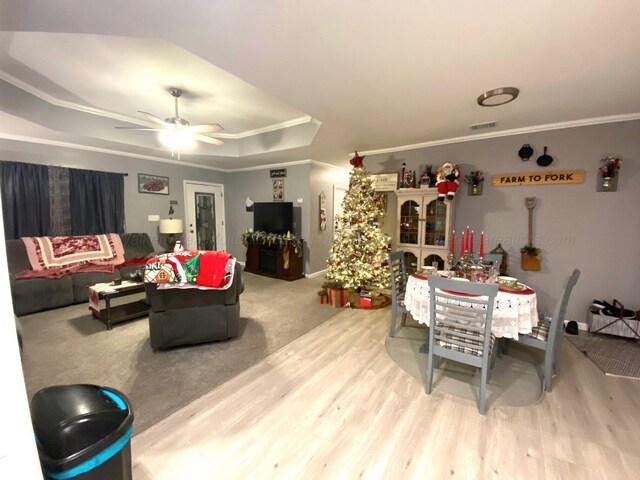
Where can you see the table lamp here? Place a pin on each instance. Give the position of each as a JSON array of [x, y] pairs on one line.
[[171, 227]]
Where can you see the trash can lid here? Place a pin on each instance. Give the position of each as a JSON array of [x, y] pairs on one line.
[[73, 423]]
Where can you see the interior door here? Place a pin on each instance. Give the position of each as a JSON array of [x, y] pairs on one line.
[[204, 205]]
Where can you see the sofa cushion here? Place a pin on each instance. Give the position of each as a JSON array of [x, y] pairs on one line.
[[35, 294]]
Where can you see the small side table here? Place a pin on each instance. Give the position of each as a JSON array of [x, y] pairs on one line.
[[111, 315]]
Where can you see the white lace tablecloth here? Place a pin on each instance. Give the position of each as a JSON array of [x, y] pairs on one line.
[[514, 313]]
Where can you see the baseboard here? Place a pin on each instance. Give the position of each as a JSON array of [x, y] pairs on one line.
[[316, 274], [581, 325]]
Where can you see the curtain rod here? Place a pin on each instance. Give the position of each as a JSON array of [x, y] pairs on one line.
[[124, 174]]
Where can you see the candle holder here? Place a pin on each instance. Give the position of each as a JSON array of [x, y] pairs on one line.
[[450, 260]]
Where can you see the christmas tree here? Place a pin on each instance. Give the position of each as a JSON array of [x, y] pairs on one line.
[[359, 247]]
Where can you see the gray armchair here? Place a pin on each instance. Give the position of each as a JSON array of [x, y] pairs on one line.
[[190, 316]]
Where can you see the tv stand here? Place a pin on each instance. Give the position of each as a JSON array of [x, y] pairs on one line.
[[268, 260]]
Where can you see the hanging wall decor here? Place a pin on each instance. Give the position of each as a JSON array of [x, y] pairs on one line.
[[323, 211], [556, 177], [474, 180], [525, 152], [608, 174], [278, 190]]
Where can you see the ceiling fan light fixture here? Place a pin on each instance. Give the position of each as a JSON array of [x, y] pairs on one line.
[[498, 96], [176, 139]]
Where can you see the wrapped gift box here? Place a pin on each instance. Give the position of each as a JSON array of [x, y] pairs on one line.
[[337, 297]]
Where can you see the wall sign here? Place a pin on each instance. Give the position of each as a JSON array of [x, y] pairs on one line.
[[385, 182], [323, 211], [538, 178], [278, 173]]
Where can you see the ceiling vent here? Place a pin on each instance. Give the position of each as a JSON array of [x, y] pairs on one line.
[[482, 126]]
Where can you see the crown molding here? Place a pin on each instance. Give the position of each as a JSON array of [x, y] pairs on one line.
[[121, 153], [27, 87], [108, 151], [628, 117]]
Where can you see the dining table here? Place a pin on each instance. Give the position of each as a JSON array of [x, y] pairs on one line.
[[515, 310]]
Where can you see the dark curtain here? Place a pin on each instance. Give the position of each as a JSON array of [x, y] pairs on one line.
[[59, 203], [25, 199], [97, 202]]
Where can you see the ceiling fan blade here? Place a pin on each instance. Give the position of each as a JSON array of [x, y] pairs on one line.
[[205, 139], [140, 128], [155, 119], [210, 128]]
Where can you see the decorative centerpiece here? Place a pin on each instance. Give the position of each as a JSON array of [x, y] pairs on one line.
[[428, 178], [475, 180], [608, 177]]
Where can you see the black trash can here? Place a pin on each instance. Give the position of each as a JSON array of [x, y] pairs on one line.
[[83, 432]]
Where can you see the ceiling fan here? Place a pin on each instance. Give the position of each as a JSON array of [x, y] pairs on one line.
[[176, 133]]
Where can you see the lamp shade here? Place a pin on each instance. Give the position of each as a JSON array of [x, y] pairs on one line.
[[170, 225]]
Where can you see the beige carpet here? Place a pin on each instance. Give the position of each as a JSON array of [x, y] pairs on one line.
[[615, 356], [67, 346], [516, 379]]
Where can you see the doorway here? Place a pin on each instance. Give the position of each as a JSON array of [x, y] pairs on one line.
[[204, 210]]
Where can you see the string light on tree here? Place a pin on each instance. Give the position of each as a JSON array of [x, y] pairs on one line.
[[359, 247]]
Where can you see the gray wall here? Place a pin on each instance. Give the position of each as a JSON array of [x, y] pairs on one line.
[[574, 225], [137, 205], [322, 180], [257, 185]]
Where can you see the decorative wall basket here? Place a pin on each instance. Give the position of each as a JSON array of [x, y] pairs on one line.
[[607, 184], [529, 262], [475, 190]]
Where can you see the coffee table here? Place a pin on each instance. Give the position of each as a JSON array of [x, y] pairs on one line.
[[111, 315]]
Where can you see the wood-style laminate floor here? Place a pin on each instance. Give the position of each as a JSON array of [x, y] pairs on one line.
[[332, 404]]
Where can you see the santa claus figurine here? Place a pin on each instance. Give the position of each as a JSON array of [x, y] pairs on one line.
[[447, 181]]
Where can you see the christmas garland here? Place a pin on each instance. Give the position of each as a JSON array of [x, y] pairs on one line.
[[264, 238]]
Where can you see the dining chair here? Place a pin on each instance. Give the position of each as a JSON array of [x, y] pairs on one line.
[[548, 336], [460, 315], [398, 273]]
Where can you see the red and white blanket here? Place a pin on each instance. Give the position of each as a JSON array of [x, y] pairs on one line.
[[54, 257]]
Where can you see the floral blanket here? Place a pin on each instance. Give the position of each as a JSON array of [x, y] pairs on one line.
[[53, 257], [202, 269]]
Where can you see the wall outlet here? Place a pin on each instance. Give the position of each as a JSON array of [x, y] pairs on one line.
[[154, 218]]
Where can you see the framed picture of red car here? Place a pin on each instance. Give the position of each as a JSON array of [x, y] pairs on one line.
[[153, 184]]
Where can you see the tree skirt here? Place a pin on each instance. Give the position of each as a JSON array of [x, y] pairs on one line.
[[516, 379], [615, 356]]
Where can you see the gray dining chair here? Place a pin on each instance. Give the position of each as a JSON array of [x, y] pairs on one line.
[[460, 315], [548, 336], [398, 273]]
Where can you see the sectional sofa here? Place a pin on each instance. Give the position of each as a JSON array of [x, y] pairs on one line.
[[31, 295]]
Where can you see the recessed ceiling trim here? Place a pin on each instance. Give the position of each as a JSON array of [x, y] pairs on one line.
[[27, 87], [271, 128], [108, 151], [627, 117], [284, 164], [120, 153], [36, 92]]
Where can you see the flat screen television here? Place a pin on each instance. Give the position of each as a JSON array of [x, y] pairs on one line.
[[273, 217]]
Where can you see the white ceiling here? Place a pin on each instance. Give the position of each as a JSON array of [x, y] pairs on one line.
[[294, 80]]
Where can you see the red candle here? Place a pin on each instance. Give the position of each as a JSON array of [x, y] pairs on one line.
[[453, 241], [466, 238], [471, 243], [482, 244], [462, 245]]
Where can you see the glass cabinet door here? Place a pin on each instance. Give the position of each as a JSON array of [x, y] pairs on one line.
[[410, 263], [409, 216], [435, 225]]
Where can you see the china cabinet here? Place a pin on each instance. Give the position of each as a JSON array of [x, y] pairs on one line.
[[424, 228]]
